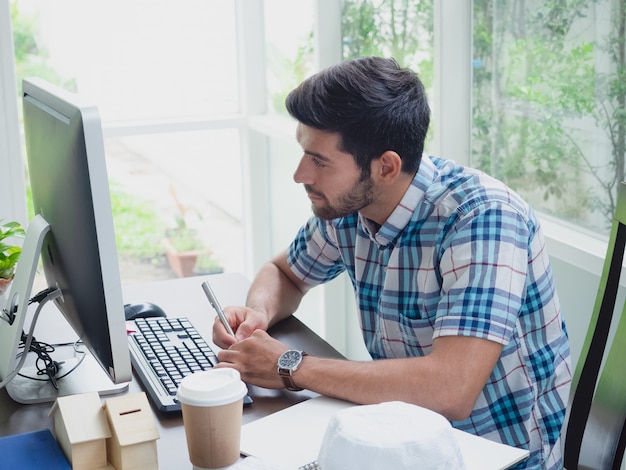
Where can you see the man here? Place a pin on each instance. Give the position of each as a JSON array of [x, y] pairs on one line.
[[454, 289]]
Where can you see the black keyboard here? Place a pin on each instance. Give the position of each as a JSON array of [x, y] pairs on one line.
[[165, 350]]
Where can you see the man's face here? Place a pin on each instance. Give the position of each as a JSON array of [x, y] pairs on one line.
[[331, 178]]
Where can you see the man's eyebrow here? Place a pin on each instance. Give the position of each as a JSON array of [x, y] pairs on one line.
[[317, 155]]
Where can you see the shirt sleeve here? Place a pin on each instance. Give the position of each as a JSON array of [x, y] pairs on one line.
[[484, 268], [313, 256]]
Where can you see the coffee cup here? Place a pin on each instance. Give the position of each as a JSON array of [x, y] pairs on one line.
[[212, 407]]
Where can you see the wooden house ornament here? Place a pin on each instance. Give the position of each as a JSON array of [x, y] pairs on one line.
[[81, 430], [132, 445]]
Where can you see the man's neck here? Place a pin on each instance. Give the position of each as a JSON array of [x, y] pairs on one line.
[[387, 201]]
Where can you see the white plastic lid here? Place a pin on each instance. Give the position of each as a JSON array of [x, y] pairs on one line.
[[211, 388]]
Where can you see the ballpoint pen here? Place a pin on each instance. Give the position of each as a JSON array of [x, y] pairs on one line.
[[216, 305]]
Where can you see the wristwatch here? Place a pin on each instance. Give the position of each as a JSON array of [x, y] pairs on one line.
[[288, 363]]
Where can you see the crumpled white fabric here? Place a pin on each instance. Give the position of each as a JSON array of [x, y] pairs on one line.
[[394, 435]]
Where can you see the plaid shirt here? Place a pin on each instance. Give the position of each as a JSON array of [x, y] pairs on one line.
[[461, 255]]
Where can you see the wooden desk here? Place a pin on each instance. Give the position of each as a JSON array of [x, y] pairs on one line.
[[179, 297]]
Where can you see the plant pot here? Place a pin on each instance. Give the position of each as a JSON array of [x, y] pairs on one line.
[[5, 284], [181, 262]]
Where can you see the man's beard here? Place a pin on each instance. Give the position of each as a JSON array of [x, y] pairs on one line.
[[354, 199]]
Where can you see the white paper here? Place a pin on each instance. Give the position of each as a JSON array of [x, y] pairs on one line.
[[301, 427]]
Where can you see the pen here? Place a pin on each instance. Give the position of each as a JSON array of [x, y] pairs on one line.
[[216, 305]]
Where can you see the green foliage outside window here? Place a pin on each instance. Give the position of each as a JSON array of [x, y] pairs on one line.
[[31, 58], [402, 29], [549, 100], [544, 92], [288, 71], [138, 227]]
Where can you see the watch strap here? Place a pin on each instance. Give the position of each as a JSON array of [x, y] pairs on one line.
[[288, 379]]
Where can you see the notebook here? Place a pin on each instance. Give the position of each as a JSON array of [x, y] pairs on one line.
[[33, 450], [301, 427]]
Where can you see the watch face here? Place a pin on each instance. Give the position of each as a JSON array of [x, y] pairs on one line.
[[290, 359]]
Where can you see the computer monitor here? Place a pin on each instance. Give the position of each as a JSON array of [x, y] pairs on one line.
[[74, 236]]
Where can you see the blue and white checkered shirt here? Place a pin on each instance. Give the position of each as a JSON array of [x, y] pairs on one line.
[[461, 255]]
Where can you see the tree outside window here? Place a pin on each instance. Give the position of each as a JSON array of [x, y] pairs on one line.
[[402, 29], [549, 94]]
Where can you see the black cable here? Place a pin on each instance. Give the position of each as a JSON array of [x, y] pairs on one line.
[[44, 364], [38, 297]]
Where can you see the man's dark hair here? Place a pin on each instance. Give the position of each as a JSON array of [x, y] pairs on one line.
[[373, 103]]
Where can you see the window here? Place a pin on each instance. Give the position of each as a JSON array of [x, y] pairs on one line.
[[289, 47], [548, 101], [399, 29], [164, 76]]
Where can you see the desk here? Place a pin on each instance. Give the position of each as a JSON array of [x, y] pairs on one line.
[[179, 297]]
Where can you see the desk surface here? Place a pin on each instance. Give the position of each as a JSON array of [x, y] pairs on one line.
[[179, 297]]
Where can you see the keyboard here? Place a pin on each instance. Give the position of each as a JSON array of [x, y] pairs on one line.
[[311, 466], [165, 350]]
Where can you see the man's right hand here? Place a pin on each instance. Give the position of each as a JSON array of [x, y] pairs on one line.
[[243, 320]]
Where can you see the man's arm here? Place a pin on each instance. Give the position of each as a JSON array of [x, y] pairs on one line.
[[274, 294], [276, 291], [448, 380]]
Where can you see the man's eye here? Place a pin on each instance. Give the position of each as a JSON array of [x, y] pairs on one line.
[[318, 163]]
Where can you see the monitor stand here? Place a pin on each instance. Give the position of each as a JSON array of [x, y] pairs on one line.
[[87, 377]]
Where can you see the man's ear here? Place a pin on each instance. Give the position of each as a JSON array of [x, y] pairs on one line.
[[387, 167]]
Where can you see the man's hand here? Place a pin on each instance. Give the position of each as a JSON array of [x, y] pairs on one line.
[[243, 320], [256, 359]]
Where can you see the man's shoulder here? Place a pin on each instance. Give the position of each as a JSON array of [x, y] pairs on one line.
[[464, 189]]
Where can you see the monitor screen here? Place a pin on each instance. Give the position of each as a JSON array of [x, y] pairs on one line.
[[70, 190]]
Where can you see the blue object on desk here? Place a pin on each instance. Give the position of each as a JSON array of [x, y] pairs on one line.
[[33, 450]]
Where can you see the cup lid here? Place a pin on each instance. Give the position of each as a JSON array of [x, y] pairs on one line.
[[211, 387]]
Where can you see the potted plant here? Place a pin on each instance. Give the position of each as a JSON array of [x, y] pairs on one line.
[[182, 248], [9, 253], [182, 243]]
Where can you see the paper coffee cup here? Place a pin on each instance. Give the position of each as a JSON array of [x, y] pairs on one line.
[[212, 406]]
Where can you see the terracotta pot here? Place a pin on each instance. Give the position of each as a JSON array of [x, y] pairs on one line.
[[181, 262], [5, 284]]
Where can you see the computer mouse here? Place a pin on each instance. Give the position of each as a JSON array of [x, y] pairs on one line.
[[143, 310]]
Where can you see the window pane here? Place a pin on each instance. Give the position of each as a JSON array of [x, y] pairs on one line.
[[185, 186], [288, 47], [547, 101], [145, 61], [140, 59], [391, 28]]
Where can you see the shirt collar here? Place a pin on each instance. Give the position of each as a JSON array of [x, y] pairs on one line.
[[402, 214]]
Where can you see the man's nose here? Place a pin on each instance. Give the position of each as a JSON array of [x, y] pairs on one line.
[[303, 173]]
